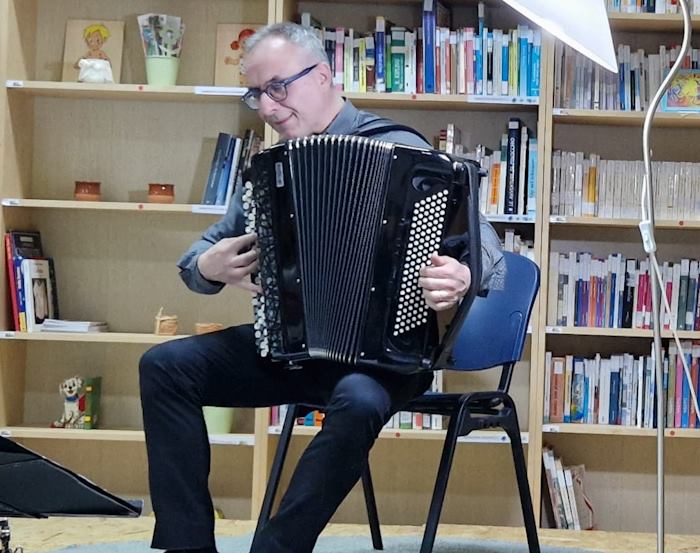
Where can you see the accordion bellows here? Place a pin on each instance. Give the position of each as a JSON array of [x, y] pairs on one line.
[[344, 225]]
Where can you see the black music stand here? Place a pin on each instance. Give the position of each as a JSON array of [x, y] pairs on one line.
[[32, 486]]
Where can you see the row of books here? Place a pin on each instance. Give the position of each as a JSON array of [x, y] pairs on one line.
[[650, 6], [580, 83], [509, 186], [590, 186], [515, 243], [232, 156], [569, 507], [615, 292], [403, 420], [618, 390], [621, 389], [433, 58], [31, 279]]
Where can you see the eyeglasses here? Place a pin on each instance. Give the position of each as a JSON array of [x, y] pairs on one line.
[[276, 90]]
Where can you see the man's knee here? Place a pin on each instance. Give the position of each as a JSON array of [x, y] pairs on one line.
[[360, 401], [153, 368]]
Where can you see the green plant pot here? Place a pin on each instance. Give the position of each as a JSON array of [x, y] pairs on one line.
[[162, 70], [218, 419]]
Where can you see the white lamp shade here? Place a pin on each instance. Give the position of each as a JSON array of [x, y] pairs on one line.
[[582, 24]]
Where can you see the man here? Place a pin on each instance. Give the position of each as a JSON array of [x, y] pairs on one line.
[[291, 89]]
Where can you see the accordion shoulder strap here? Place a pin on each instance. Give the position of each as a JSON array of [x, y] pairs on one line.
[[385, 126]]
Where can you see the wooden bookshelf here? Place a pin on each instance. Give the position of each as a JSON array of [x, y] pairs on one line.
[[650, 22], [597, 222], [109, 435], [135, 92], [625, 118], [614, 430], [96, 337], [480, 436], [617, 332], [217, 210]]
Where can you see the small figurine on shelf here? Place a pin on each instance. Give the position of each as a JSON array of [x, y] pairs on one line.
[[165, 324], [81, 400]]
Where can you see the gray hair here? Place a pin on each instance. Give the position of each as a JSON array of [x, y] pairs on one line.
[[305, 37]]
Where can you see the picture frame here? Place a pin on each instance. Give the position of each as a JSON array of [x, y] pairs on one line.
[[684, 93], [92, 39], [229, 51]]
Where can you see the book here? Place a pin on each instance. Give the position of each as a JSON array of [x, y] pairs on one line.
[[11, 282], [38, 291], [230, 41], [20, 245], [219, 170], [89, 402]]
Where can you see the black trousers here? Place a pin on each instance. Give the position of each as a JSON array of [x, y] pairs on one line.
[[223, 369]]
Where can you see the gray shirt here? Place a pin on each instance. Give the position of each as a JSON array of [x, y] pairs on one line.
[[348, 120]]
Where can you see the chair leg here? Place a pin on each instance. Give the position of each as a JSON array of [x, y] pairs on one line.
[[448, 451], [371, 504], [512, 428], [276, 470]]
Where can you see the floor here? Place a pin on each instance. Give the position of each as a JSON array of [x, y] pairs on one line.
[[44, 535]]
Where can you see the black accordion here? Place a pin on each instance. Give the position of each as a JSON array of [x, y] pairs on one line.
[[344, 225]]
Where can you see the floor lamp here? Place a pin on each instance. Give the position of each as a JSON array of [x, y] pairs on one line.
[[583, 25]]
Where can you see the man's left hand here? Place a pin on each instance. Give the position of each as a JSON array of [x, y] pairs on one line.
[[444, 282]]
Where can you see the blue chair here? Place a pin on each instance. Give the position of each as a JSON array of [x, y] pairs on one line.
[[492, 335]]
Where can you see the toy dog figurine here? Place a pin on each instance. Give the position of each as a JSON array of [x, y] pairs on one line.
[[70, 389]]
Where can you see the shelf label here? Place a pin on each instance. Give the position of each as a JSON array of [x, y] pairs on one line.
[[209, 209], [554, 330], [220, 90], [11, 83], [550, 428], [7, 334], [510, 219], [5, 433], [557, 219], [10, 201], [485, 99], [560, 111]]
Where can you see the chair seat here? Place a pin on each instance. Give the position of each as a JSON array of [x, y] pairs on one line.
[[436, 403]]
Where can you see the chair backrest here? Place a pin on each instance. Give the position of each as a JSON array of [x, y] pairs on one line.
[[495, 329]]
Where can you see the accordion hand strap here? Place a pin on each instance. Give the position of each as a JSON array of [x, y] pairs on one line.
[[387, 126]]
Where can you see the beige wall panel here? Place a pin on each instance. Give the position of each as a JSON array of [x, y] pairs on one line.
[[482, 487]]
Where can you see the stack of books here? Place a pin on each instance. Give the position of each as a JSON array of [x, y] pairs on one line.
[[60, 325]]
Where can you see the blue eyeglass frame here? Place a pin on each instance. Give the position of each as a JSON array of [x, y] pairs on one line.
[[254, 94]]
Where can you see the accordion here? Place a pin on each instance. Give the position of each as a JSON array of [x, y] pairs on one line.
[[344, 224]]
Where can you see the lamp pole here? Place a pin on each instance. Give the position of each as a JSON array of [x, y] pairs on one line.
[[646, 227]]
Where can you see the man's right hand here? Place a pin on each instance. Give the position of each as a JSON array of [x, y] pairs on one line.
[[231, 261]]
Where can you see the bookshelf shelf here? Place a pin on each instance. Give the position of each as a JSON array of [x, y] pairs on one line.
[[617, 332], [115, 206], [139, 92], [511, 219], [483, 436], [96, 337], [142, 92], [441, 101], [624, 118], [649, 22], [561, 220], [111, 435], [614, 430]]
